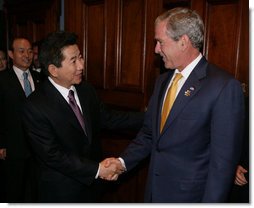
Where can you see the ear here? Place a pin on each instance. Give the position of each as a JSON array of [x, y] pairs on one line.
[[10, 54], [184, 42], [52, 70]]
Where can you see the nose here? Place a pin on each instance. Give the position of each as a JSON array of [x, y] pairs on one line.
[[80, 64], [26, 53], [157, 48]]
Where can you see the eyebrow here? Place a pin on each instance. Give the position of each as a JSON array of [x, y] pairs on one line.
[[23, 48], [73, 58]]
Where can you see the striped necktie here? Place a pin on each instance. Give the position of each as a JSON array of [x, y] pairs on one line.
[[27, 85], [76, 109]]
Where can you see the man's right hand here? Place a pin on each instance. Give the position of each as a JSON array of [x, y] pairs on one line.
[[240, 179], [110, 169]]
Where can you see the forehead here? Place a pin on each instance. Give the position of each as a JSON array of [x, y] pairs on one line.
[[160, 29], [70, 51], [24, 43]]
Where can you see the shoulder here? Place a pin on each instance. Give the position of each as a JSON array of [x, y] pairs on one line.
[[219, 80], [7, 78], [41, 93], [220, 75], [85, 87], [34, 73], [5, 73]]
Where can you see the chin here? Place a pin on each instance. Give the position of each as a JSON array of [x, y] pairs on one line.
[[78, 81], [167, 66]]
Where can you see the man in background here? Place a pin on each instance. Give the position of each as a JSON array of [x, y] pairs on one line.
[[3, 60], [16, 84], [36, 66]]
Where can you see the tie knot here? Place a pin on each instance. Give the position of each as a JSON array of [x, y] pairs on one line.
[[25, 75], [177, 77], [71, 95]]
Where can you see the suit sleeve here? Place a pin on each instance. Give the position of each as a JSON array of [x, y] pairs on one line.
[[141, 147], [113, 119], [226, 139], [49, 151]]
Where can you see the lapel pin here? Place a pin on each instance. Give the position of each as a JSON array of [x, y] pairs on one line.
[[187, 93]]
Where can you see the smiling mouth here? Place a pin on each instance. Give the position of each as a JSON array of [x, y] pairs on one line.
[[79, 75], [26, 61]]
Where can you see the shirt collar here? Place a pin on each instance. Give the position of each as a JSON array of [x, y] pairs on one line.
[[19, 72], [64, 91], [188, 69]]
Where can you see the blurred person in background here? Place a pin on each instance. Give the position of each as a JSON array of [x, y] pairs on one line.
[[16, 84], [3, 60]]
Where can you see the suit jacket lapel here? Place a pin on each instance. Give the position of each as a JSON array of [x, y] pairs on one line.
[[36, 78], [85, 109], [163, 89], [16, 83], [59, 104], [188, 91]]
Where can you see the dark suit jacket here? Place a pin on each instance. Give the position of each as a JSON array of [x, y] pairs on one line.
[[195, 156], [240, 194], [68, 158], [12, 97]]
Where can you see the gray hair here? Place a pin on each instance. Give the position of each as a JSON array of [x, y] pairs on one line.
[[181, 21]]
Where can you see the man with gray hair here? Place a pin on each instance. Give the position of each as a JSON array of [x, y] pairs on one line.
[[194, 123]]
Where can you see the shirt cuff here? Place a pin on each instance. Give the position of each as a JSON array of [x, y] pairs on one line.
[[98, 171], [123, 163]]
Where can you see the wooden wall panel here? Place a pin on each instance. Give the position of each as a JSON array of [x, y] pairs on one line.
[[111, 44], [222, 32], [152, 62], [95, 44], [227, 35], [131, 44], [73, 19], [114, 48], [242, 73], [39, 31], [35, 20]]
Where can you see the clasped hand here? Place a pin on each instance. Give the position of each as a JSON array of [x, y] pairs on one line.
[[110, 169], [240, 179]]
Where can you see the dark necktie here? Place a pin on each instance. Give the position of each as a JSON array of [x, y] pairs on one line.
[[76, 109], [27, 85]]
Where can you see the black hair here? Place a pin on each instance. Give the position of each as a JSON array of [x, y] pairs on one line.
[[52, 48]]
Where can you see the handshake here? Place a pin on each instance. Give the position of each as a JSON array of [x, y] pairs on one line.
[[110, 169]]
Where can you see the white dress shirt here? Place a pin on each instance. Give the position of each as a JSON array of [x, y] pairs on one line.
[[185, 73], [65, 92], [19, 74]]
